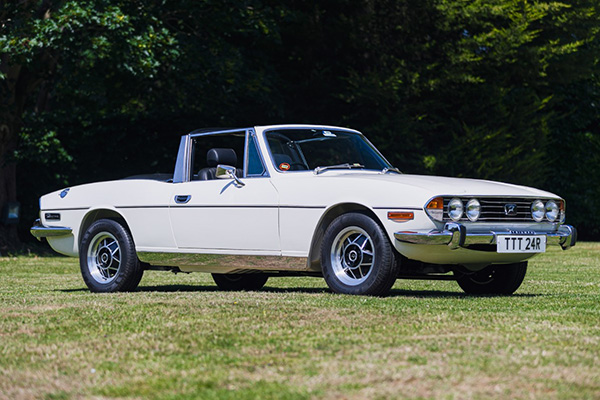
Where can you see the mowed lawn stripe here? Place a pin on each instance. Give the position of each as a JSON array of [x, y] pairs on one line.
[[179, 337]]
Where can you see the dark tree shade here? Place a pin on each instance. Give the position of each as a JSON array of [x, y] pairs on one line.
[[501, 89]]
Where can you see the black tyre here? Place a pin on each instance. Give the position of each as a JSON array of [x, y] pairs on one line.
[[108, 259], [501, 279], [236, 282], [357, 257]]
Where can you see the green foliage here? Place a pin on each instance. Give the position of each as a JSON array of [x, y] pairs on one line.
[[486, 89], [500, 89], [83, 33]]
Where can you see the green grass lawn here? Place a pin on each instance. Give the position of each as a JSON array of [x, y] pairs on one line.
[[177, 337]]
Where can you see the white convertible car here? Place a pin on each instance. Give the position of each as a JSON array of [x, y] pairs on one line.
[[249, 204]]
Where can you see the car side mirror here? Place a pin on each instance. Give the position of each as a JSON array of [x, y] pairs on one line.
[[228, 172]]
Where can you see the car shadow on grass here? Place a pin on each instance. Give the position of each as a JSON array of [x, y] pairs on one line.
[[177, 288], [313, 290], [398, 292], [201, 288], [158, 288], [447, 294], [271, 289]]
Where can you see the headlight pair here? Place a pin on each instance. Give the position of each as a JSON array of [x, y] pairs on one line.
[[551, 210], [456, 209]]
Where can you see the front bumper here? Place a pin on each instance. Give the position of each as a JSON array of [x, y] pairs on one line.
[[40, 231], [455, 236]]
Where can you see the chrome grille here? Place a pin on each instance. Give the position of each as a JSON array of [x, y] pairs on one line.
[[492, 209]]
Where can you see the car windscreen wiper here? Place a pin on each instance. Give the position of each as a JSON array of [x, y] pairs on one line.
[[391, 169], [318, 170]]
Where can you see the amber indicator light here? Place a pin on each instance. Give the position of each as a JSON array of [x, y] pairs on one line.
[[401, 216], [437, 203]]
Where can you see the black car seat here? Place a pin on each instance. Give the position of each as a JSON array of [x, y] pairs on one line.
[[215, 157]]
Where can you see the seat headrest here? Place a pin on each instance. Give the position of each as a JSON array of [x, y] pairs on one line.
[[221, 156]]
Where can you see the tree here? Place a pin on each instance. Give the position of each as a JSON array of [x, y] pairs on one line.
[[144, 74], [42, 42], [500, 89], [505, 90]]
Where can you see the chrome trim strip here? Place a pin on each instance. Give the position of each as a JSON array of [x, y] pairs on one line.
[[246, 206], [211, 206], [456, 236], [223, 263], [181, 173], [245, 159], [65, 209], [399, 208], [487, 196], [217, 132], [222, 206], [308, 207], [265, 174], [40, 231], [130, 207]]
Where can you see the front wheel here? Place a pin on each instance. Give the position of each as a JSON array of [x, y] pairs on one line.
[[237, 282], [356, 256], [108, 259], [503, 279]]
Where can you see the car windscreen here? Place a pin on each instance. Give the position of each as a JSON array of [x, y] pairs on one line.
[[307, 149]]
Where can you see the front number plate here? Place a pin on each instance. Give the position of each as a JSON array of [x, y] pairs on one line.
[[521, 244]]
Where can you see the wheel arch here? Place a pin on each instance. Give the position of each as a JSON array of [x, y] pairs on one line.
[[98, 214], [314, 254]]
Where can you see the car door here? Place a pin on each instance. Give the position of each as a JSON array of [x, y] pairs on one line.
[[219, 215]]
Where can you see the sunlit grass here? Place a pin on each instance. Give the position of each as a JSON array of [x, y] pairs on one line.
[[178, 337]]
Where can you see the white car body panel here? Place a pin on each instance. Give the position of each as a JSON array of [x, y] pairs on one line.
[[221, 216]]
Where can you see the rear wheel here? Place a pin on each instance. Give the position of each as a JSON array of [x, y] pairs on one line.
[[356, 256], [236, 282], [494, 279], [107, 258]]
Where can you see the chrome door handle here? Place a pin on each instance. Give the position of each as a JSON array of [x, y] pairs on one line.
[[182, 198]]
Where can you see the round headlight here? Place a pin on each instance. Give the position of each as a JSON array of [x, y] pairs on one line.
[[455, 209], [552, 211], [473, 210], [538, 210]]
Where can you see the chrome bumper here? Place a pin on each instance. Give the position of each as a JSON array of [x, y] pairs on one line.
[[455, 236], [40, 231]]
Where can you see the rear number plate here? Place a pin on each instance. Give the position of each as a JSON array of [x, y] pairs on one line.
[[521, 244]]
